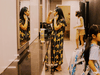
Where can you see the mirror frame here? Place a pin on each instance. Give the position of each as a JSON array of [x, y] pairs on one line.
[[22, 48]]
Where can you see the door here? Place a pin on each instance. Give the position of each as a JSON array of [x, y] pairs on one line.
[[66, 12]]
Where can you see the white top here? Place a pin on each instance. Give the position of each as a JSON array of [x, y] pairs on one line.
[[79, 23], [94, 55]]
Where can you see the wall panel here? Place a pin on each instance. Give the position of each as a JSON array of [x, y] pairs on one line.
[[8, 33]]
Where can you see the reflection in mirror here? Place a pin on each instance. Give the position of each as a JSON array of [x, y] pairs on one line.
[[24, 65], [24, 22]]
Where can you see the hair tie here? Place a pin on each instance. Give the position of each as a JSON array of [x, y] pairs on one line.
[[91, 45]]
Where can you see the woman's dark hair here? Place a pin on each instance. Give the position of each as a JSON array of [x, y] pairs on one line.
[[78, 13], [60, 13], [93, 30], [24, 9]]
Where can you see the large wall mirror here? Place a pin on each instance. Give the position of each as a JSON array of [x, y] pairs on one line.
[[23, 23]]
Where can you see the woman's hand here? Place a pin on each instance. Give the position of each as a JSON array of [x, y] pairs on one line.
[[25, 17], [49, 21], [50, 13], [25, 25], [56, 17]]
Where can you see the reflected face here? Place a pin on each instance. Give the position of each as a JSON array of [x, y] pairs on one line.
[[27, 12], [55, 13], [98, 37]]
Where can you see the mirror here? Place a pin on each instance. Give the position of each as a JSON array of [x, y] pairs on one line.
[[24, 22], [40, 10]]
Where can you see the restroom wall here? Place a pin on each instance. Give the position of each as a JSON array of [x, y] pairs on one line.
[[8, 33]]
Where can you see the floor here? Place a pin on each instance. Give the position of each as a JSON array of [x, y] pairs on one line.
[[33, 61], [69, 47]]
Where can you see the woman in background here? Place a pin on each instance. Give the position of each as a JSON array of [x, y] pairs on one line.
[[57, 37], [80, 30], [24, 26]]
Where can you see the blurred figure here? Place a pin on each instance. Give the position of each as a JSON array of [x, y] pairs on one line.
[[91, 53], [80, 30], [57, 37], [24, 24]]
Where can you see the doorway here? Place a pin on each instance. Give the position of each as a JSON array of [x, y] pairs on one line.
[[66, 12]]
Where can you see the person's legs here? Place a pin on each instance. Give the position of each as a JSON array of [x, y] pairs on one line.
[[82, 33], [77, 38], [81, 38]]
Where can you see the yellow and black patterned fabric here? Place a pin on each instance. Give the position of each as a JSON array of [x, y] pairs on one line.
[[24, 34], [57, 44]]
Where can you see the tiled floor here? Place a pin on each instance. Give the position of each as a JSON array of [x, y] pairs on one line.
[[69, 47], [33, 64]]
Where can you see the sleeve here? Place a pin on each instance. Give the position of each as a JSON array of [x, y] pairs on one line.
[[63, 23], [93, 53], [21, 22]]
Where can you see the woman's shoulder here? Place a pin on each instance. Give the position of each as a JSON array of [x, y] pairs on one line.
[[63, 21]]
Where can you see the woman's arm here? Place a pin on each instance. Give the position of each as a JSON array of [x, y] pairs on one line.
[[58, 27], [49, 21], [24, 27], [91, 64]]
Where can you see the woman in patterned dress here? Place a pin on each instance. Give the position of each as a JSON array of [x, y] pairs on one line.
[[24, 24], [57, 37]]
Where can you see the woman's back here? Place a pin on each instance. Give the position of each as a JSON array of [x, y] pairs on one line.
[[79, 23]]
